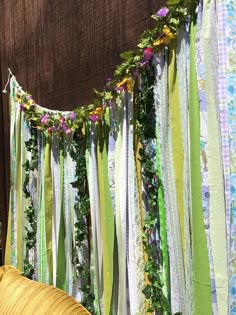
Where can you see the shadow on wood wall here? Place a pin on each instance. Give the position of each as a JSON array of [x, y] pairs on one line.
[[59, 51]]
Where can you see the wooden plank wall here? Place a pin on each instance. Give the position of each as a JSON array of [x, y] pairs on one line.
[[59, 51]]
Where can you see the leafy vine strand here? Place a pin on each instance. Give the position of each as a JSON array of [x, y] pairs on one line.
[[30, 238], [82, 207], [146, 131]]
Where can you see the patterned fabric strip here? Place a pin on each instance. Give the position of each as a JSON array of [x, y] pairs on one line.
[[215, 173], [182, 57], [223, 112], [228, 28], [158, 61], [135, 255], [177, 166], [204, 156]]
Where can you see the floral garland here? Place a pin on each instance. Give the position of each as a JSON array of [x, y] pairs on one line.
[[168, 20], [81, 208], [30, 238]]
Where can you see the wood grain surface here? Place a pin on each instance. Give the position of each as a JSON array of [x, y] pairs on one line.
[[59, 51]]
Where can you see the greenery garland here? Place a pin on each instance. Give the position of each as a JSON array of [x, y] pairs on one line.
[[30, 165], [146, 130], [82, 207], [167, 19]]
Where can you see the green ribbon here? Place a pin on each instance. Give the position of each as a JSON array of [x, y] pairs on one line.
[[48, 200], [107, 216], [201, 272], [61, 257]]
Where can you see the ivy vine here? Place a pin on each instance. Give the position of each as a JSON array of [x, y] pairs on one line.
[[30, 238], [81, 208], [146, 130]]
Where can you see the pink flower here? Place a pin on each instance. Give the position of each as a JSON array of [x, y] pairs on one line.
[[62, 120], [67, 131], [163, 12], [72, 116], [44, 119], [94, 118], [147, 53]]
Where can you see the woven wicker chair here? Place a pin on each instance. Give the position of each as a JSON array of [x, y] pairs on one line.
[[21, 296]]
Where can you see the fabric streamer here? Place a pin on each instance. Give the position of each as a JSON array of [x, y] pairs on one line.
[[106, 216], [135, 255], [172, 216], [230, 24], [217, 201], [201, 273], [182, 60], [121, 202]]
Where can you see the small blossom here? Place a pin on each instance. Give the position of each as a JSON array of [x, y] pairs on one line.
[[143, 63], [94, 118], [28, 97], [44, 119], [63, 126], [119, 88], [72, 116], [148, 53], [22, 107], [62, 120], [163, 12], [108, 80], [110, 103], [50, 130], [68, 131], [135, 73]]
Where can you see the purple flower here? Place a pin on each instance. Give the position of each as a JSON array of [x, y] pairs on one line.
[[28, 97], [143, 63], [108, 80], [44, 119], [63, 126], [118, 89], [135, 73], [94, 118], [163, 12], [22, 107], [147, 53], [205, 193], [72, 116], [110, 103]]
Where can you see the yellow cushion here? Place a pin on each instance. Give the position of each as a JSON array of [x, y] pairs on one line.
[[21, 296]]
